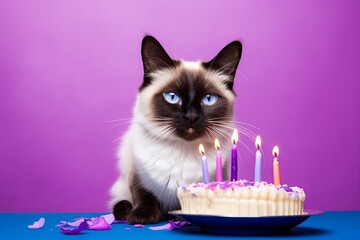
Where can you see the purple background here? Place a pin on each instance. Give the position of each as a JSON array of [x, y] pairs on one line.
[[67, 68]]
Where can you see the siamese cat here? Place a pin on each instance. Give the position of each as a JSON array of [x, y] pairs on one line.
[[180, 104]]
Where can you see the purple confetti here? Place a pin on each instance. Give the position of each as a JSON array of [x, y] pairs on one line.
[[75, 223], [171, 225], [109, 218], [162, 227], [127, 228], [83, 226], [99, 224], [62, 224], [287, 189], [38, 224], [177, 224], [139, 226]]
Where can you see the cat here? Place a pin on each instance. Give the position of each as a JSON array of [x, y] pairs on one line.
[[179, 105]]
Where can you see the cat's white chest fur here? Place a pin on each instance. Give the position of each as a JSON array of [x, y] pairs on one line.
[[163, 166]]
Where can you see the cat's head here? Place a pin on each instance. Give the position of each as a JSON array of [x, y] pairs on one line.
[[187, 100]]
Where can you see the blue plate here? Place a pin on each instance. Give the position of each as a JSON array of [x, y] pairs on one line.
[[246, 225]]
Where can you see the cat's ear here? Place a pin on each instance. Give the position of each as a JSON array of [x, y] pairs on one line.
[[154, 56], [226, 61]]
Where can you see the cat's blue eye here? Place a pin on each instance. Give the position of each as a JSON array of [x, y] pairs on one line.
[[210, 99], [171, 97]]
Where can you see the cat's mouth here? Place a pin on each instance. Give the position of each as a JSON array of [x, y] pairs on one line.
[[190, 130], [189, 134]]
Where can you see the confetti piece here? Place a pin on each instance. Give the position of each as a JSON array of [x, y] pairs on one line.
[[139, 226], [109, 218], [38, 224], [127, 228], [75, 223], [178, 224], [61, 224], [83, 226], [100, 224], [171, 225], [162, 227]]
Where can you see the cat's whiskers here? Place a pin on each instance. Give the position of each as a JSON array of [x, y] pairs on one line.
[[249, 150], [238, 124], [247, 124], [130, 120], [117, 139], [120, 124], [220, 127], [242, 74], [214, 136], [123, 121], [119, 119], [241, 129], [217, 130], [169, 130], [157, 132], [208, 134], [219, 134]]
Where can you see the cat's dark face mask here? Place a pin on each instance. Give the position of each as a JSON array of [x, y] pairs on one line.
[[192, 105]]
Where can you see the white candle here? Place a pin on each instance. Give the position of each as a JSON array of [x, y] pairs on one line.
[[219, 177], [258, 156], [204, 164]]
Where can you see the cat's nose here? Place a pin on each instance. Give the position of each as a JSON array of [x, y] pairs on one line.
[[191, 116]]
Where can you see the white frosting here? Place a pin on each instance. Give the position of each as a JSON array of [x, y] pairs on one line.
[[241, 198]]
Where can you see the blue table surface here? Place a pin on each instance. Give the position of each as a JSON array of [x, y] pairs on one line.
[[330, 225]]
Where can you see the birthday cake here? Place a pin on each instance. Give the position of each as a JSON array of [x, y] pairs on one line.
[[241, 198]]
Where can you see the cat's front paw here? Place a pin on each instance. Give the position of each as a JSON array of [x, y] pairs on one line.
[[144, 215], [122, 209]]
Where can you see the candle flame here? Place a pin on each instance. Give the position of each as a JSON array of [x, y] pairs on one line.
[[258, 142], [217, 144], [235, 137], [201, 149], [276, 151]]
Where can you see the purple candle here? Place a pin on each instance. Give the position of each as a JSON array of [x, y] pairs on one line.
[[234, 159], [205, 170], [219, 177]]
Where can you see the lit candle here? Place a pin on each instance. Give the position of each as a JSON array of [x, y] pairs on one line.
[[204, 164], [219, 177], [234, 159], [276, 167], [258, 160]]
